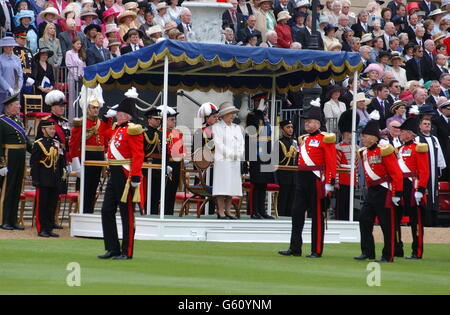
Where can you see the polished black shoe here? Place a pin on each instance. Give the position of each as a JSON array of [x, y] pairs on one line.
[[43, 234], [266, 216], [383, 260], [399, 254], [7, 227], [58, 227], [231, 217], [18, 227], [256, 216], [121, 257], [313, 255], [109, 255], [364, 257], [289, 252], [51, 234], [223, 218], [413, 256]]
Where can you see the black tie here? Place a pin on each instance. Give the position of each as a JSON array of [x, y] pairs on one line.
[[382, 105]]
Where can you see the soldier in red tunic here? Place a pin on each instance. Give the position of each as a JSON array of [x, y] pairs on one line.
[[413, 161], [96, 141], [344, 153], [385, 184], [316, 177], [125, 158]]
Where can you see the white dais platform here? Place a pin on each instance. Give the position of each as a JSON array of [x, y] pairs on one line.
[[192, 229]]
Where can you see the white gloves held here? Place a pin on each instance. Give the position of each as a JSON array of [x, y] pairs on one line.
[[29, 82], [328, 188], [396, 201], [418, 196], [112, 112], [76, 166], [3, 171]]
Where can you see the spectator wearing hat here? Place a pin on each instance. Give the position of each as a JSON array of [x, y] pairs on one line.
[[284, 5], [304, 35], [114, 48], [265, 19], [134, 7], [90, 32], [43, 73], [283, 30], [133, 37], [25, 19], [153, 34], [65, 38], [49, 40], [70, 12], [375, 72], [249, 31], [414, 67], [334, 108], [229, 152], [126, 22], [361, 111], [26, 58], [162, 17], [89, 17], [299, 19], [383, 61], [437, 16], [362, 27], [11, 75], [14, 145], [76, 62], [398, 110], [329, 39], [111, 33], [49, 15], [441, 129], [109, 17], [96, 53], [288, 154], [6, 16]]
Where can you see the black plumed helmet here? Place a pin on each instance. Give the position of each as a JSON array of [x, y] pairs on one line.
[[345, 121], [127, 106], [372, 128]]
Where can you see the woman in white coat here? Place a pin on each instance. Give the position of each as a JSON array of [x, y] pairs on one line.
[[229, 151]]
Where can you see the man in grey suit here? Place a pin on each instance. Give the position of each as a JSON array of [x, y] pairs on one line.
[[96, 54], [65, 38]]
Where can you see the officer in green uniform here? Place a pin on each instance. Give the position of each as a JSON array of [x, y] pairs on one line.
[[13, 146]]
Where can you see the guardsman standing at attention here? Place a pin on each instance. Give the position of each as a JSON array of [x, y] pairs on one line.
[[47, 169], [176, 152], [13, 146], [153, 154], [288, 150], [125, 159], [385, 185], [316, 177], [344, 157], [413, 161], [96, 141]]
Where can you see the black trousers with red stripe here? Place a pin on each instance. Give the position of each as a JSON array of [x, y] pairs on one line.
[[46, 200], [378, 198], [307, 198], [416, 217], [113, 194]]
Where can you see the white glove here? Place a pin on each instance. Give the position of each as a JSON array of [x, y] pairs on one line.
[[111, 113], [169, 170], [69, 168], [328, 188], [418, 195], [133, 184], [29, 82], [3, 171], [11, 91], [76, 165], [396, 201]]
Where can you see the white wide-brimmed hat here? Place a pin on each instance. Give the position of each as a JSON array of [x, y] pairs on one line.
[[361, 97], [284, 15], [153, 30], [111, 28], [227, 108], [125, 14], [49, 10], [161, 5]]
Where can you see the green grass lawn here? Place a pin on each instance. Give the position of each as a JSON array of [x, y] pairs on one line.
[[187, 268]]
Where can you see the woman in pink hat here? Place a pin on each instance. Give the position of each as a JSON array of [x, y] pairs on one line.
[[375, 73], [109, 17]]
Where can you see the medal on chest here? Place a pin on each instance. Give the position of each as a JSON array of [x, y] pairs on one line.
[[314, 143], [375, 159], [406, 153]]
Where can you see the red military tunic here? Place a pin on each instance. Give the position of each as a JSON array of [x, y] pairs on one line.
[[318, 153], [381, 167], [344, 157], [413, 161], [127, 143], [96, 136], [175, 145]]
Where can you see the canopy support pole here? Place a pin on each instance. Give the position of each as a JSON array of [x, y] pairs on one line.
[[164, 138], [83, 157], [273, 108], [353, 158]]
